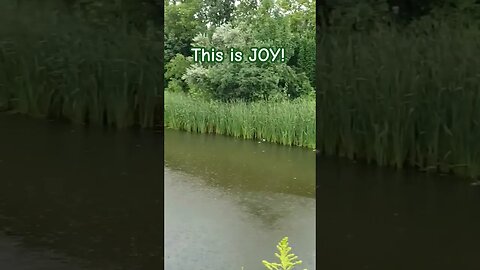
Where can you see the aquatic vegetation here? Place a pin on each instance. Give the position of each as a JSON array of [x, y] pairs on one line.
[[283, 122], [401, 98], [59, 67], [288, 260]]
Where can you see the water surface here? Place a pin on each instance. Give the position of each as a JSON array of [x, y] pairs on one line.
[[228, 202], [382, 219], [76, 198]]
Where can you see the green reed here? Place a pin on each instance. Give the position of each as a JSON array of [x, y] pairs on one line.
[[402, 98], [284, 122], [59, 67]]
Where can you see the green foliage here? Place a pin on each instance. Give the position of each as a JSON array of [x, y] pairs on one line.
[[175, 69], [217, 12], [403, 97], [288, 260], [222, 25], [245, 10], [362, 15], [57, 66], [175, 85], [306, 57], [246, 81], [121, 15], [283, 122], [181, 26], [359, 15], [294, 30], [292, 83]]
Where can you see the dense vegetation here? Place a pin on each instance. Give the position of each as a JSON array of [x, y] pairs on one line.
[[100, 62], [401, 89], [92, 62], [285, 122], [248, 100]]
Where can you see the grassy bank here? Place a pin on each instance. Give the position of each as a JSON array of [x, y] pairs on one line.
[[407, 98], [59, 67], [286, 122]]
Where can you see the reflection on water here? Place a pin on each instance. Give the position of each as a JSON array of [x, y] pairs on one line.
[[228, 202], [381, 219], [86, 194]]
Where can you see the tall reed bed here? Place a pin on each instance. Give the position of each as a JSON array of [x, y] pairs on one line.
[[402, 97], [56, 66], [284, 122]]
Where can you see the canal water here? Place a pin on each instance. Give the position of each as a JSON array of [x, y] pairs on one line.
[[383, 219], [88, 199], [73, 198], [228, 202]]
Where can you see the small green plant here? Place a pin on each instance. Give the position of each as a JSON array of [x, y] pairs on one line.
[[287, 260]]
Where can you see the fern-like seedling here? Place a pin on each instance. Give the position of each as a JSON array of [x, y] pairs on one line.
[[287, 260]]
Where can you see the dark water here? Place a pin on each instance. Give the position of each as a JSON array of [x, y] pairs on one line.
[[228, 202], [381, 219], [78, 199], [87, 199]]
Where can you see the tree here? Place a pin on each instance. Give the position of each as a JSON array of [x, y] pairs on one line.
[[181, 26], [217, 12]]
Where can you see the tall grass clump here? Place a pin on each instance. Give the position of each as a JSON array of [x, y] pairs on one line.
[[283, 122], [405, 97], [58, 66]]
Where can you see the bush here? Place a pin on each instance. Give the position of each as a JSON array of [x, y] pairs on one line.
[[242, 81], [175, 69]]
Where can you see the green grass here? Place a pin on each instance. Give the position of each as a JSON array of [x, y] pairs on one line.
[[59, 67], [285, 122], [402, 98]]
